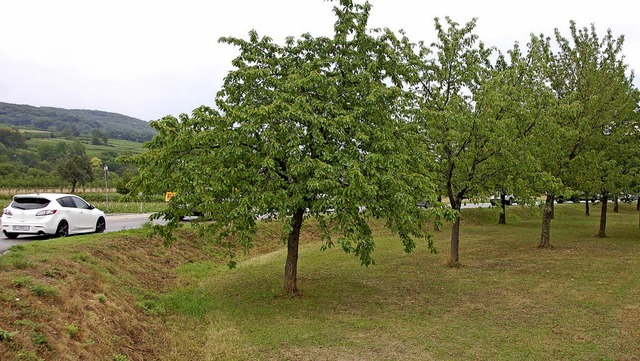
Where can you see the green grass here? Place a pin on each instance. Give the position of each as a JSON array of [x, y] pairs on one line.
[[123, 294], [508, 301], [130, 207], [118, 203], [34, 133], [90, 297], [118, 146]]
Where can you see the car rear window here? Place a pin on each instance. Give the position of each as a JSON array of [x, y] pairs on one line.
[[66, 202], [29, 203]]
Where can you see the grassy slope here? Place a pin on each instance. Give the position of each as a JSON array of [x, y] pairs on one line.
[[89, 297], [510, 300]]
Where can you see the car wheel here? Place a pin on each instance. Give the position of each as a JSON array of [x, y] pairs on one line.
[[63, 229], [11, 235], [101, 225]]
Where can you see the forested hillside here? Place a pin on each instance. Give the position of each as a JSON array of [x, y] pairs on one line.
[[75, 122], [43, 159]]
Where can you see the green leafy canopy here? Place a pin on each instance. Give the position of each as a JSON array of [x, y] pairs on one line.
[[316, 124]]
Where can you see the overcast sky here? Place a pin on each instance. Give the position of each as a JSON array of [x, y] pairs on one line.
[[148, 59]]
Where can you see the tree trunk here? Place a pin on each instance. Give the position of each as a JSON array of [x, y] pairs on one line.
[[547, 215], [454, 261], [293, 243], [587, 212], [503, 211], [553, 206], [616, 205], [73, 187], [638, 203], [603, 215]]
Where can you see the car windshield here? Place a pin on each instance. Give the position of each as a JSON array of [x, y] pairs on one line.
[[29, 203]]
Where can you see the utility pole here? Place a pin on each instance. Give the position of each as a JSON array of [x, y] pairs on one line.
[[106, 185]]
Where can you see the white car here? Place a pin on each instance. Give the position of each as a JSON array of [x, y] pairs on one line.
[[52, 214], [509, 199]]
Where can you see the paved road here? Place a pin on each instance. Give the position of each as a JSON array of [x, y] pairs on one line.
[[119, 222], [115, 222]]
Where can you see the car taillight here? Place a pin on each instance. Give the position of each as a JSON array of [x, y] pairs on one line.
[[7, 211], [47, 212]]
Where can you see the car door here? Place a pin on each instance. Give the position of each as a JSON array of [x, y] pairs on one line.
[[70, 212], [85, 218]]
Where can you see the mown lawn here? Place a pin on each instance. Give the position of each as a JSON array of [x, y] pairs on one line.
[[123, 296], [509, 300]]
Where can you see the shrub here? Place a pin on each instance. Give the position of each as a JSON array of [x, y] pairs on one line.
[[40, 340], [44, 291], [6, 335], [21, 281], [53, 273], [72, 329]]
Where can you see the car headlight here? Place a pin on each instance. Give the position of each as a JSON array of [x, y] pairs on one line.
[[47, 212]]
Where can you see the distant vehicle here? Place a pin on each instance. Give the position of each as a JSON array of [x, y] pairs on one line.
[[509, 199], [628, 198], [193, 210], [576, 198], [52, 214]]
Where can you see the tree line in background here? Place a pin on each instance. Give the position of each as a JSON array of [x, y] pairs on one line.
[[58, 164], [367, 123]]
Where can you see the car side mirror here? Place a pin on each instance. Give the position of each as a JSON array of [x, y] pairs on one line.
[[91, 206]]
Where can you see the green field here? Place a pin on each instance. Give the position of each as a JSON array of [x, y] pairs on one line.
[[118, 146], [111, 203], [509, 300]]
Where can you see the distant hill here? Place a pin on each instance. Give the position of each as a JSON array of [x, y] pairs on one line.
[[75, 121]]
